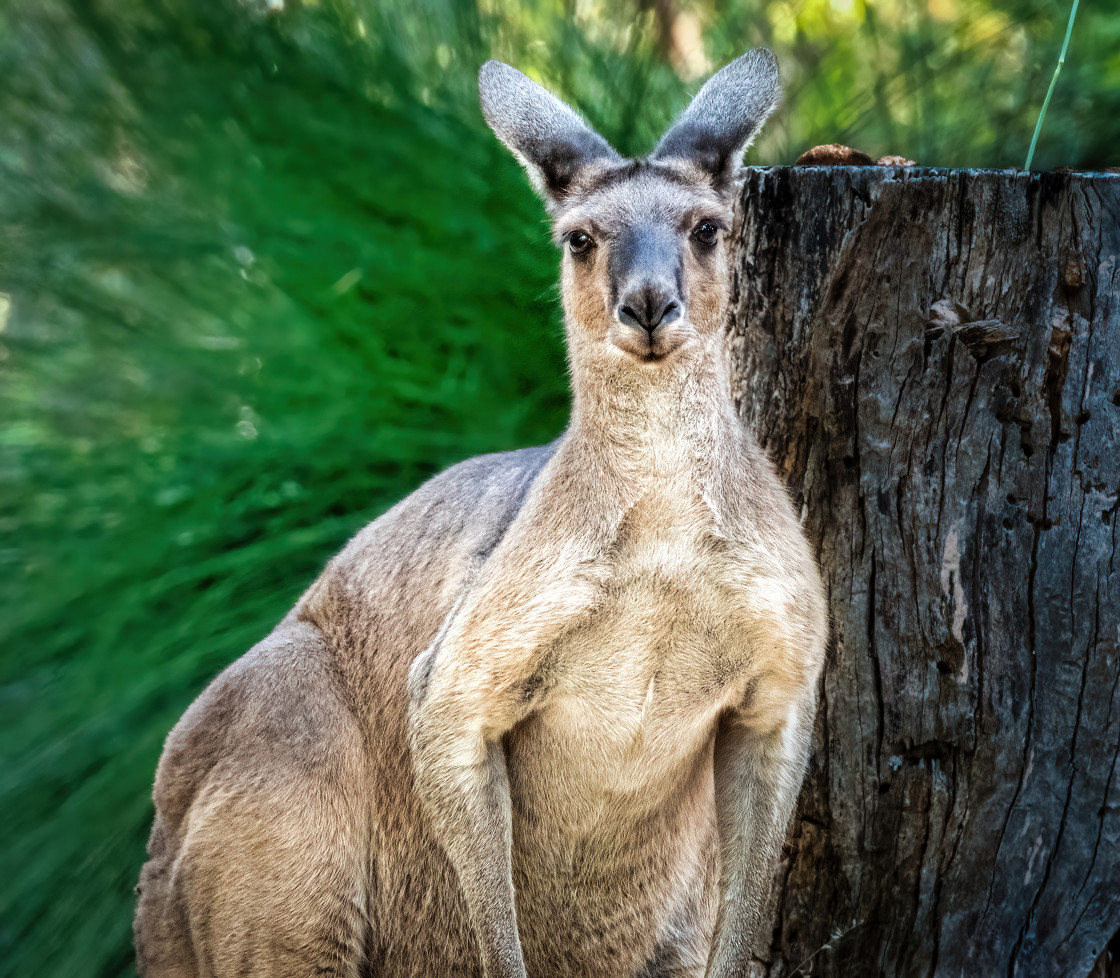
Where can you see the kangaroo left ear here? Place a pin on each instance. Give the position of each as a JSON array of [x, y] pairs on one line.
[[720, 123]]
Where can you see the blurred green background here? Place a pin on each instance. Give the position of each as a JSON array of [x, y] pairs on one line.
[[263, 270]]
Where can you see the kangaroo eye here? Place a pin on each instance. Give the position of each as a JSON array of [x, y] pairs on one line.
[[579, 242], [706, 232]]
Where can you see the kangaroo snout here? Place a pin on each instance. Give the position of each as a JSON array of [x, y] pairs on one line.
[[645, 315], [648, 307]]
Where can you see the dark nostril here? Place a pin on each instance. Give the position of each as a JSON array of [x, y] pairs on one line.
[[670, 314], [630, 317]]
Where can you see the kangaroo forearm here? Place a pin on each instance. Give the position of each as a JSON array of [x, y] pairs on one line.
[[468, 809], [743, 891], [467, 691], [757, 781]]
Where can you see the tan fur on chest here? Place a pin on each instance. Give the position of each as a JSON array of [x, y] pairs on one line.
[[636, 688]]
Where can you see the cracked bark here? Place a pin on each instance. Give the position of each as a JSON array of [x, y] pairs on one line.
[[932, 358]]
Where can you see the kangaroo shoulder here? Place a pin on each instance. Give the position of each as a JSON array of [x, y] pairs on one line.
[[407, 567]]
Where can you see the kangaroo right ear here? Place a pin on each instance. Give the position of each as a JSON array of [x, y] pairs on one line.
[[552, 142]]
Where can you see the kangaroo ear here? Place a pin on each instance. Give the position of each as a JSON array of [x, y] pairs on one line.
[[721, 121], [552, 142]]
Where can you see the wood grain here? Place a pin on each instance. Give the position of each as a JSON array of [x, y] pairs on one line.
[[932, 357]]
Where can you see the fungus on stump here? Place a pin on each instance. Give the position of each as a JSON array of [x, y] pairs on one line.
[[932, 358]]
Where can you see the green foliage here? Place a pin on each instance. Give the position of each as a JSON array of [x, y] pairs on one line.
[[266, 306], [263, 272]]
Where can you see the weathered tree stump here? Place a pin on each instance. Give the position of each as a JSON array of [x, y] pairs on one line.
[[933, 360]]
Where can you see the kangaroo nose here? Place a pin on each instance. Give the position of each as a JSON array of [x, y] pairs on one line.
[[647, 308]]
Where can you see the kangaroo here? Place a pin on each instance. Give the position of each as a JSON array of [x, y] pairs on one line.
[[549, 715]]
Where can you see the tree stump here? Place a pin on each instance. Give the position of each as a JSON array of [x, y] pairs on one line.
[[932, 358]]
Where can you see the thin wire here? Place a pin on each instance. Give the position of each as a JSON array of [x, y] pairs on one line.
[[1053, 82]]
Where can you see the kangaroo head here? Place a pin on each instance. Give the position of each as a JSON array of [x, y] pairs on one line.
[[646, 264]]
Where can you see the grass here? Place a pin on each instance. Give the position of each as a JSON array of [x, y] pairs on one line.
[[1053, 84]]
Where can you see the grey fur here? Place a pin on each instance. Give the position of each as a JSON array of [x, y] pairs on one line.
[[549, 714], [551, 141], [715, 130]]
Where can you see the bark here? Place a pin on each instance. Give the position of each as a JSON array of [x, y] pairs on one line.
[[933, 360]]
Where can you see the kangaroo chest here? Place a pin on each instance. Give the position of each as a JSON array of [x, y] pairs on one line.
[[637, 684]]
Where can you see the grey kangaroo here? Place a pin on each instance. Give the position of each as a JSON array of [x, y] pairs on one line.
[[550, 714]]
